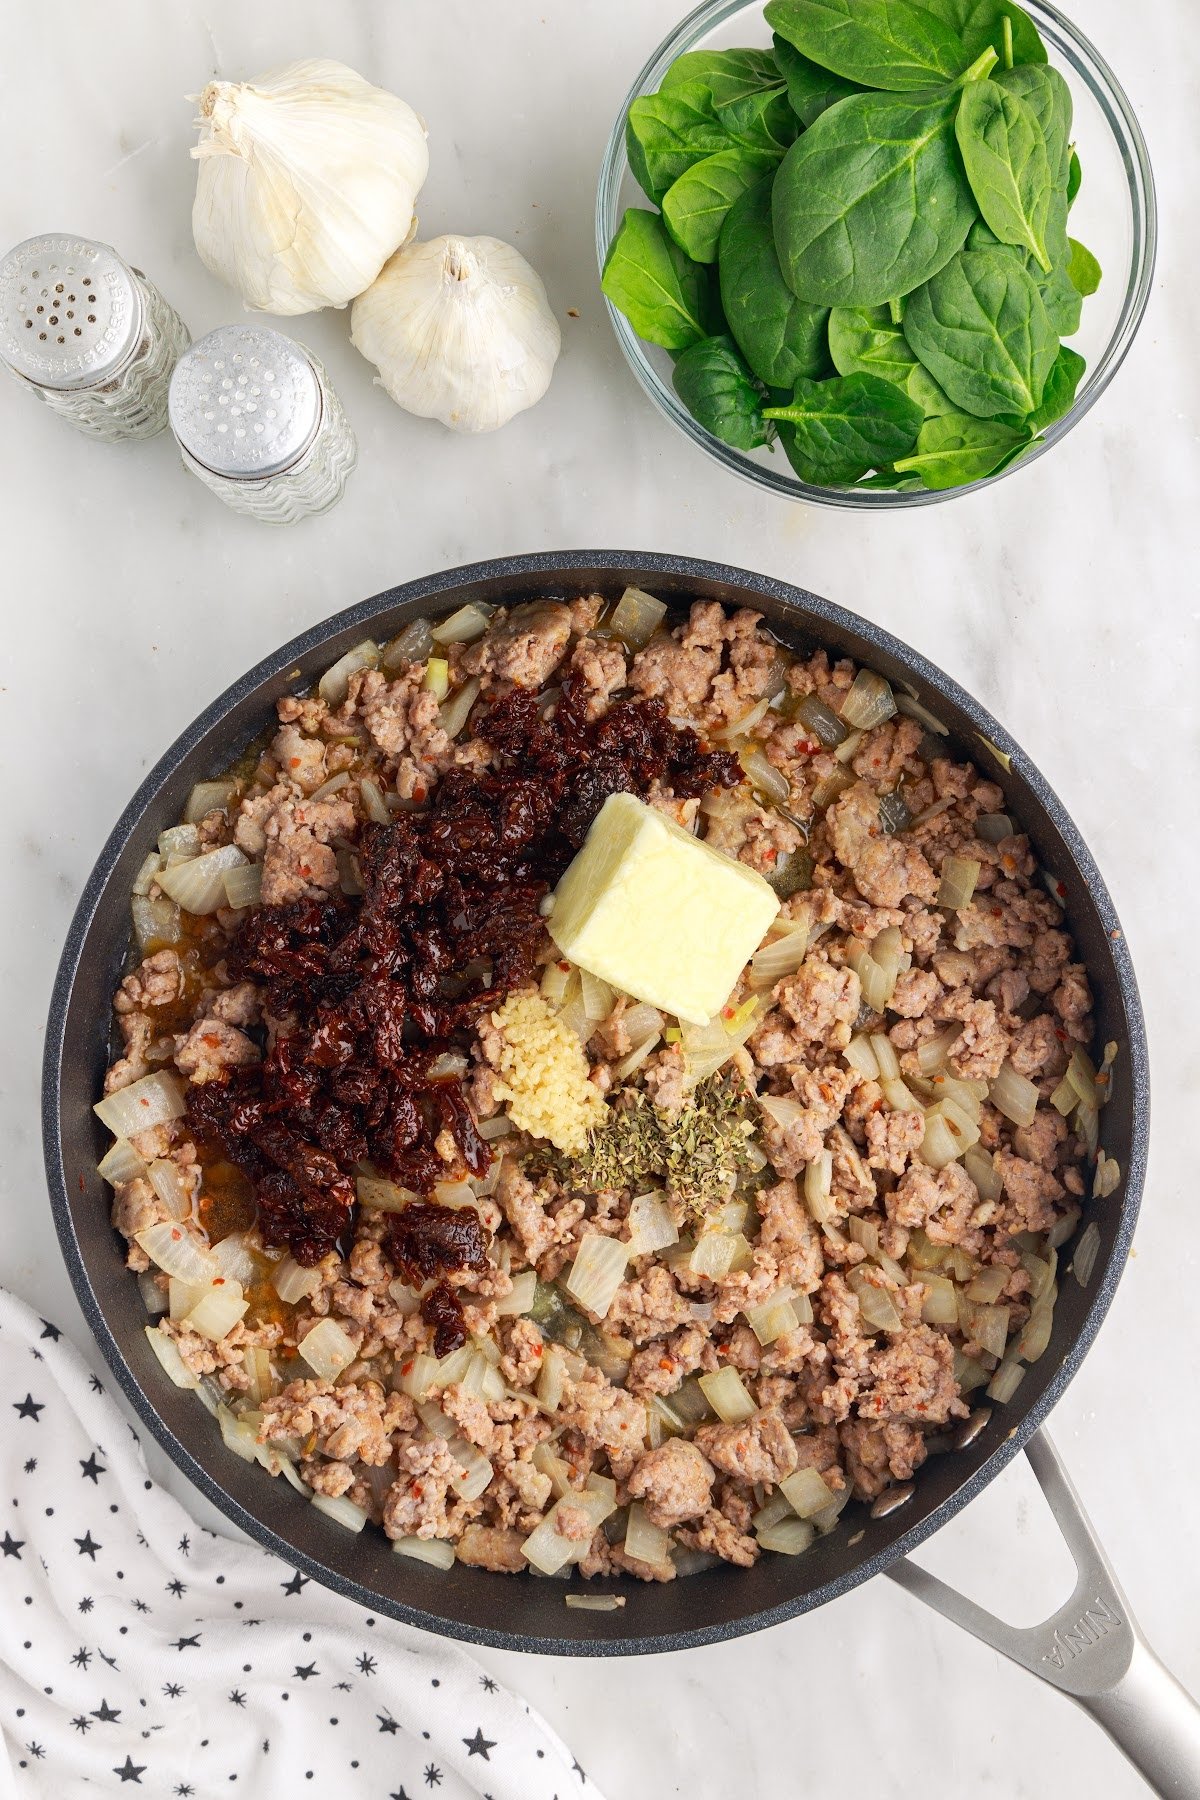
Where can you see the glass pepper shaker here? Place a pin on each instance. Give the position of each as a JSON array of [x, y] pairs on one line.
[[257, 422], [90, 336]]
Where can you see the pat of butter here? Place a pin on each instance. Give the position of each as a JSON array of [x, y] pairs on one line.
[[654, 912]]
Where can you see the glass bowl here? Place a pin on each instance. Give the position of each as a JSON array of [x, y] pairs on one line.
[[1114, 215]]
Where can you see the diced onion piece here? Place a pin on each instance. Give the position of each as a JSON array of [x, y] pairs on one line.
[[418, 1377], [491, 1129], [861, 1058], [595, 1602], [818, 1185], [154, 921], [821, 720], [913, 709], [898, 1096], [327, 1350], [434, 1551], [651, 1226], [641, 1021], [1086, 1251], [1107, 1178], [153, 1298], [167, 1352], [597, 1272], [647, 1542], [1064, 1099], [238, 1436], [876, 987], [726, 1393], [993, 828], [980, 1165], [806, 1492], [1006, 1381], [885, 1055], [636, 617], [1081, 1074], [989, 1327], [772, 1510], [521, 1299], [233, 1258], [206, 797], [457, 709], [461, 627], [940, 1305], [708, 1048], [869, 702], [217, 1311], [773, 1319], [771, 782], [292, 1282], [554, 982], [596, 995], [473, 1472], [887, 948], [374, 804], [546, 1549], [243, 885], [939, 1146], [714, 1254], [342, 1511], [1035, 1335], [198, 885], [1014, 1096], [405, 1298], [452, 1368], [178, 843], [849, 748], [790, 1537], [987, 1286], [334, 785], [969, 1373], [349, 873], [147, 873], [876, 1304], [154, 1100], [334, 684], [256, 1361], [411, 646], [168, 1183], [382, 1196], [176, 1252], [437, 678], [740, 727], [181, 1297], [963, 1128], [550, 1463], [120, 1162], [781, 1109], [781, 956], [932, 1053], [959, 875]]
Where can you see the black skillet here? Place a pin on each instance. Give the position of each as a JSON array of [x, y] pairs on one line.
[[1091, 1649]]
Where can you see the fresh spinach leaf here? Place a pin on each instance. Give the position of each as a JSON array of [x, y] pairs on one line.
[[1074, 176], [696, 206], [891, 44], [1082, 268], [981, 328], [957, 448], [811, 90], [871, 200], [728, 75], [863, 341], [1062, 299], [1047, 93], [716, 386], [835, 431], [893, 483], [762, 120], [666, 133], [1058, 395], [666, 297], [980, 25], [1008, 166], [781, 337]]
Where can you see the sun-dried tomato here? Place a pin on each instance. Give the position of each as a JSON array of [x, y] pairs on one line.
[[370, 991], [427, 1240], [442, 1310]]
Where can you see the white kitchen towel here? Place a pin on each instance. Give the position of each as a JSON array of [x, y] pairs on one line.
[[139, 1651]]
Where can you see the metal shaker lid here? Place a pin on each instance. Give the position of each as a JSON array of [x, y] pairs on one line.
[[70, 311], [245, 402]]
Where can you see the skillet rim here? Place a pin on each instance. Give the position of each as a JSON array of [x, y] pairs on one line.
[[544, 566]]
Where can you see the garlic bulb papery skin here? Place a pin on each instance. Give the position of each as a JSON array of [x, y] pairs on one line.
[[307, 182], [460, 330]]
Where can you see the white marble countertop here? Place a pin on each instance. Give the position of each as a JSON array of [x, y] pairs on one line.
[[1064, 598]]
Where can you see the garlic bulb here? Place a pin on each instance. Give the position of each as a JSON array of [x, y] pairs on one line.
[[460, 330], [307, 182]]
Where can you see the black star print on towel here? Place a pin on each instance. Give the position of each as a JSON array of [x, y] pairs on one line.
[[82, 1723], [238, 1697], [177, 1588], [433, 1776], [12, 1546], [92, 1470], [387, 1723], [51, 1331], [366, 1664], [131, 1771], [303, 1671], [29, 1408], [295, 1584], [88, 1545], [487, 1684], [82, 1657], [106, 1714], [479, 1745], [31, 1465], [173, 1690], [186, 1643], [86, 1604]]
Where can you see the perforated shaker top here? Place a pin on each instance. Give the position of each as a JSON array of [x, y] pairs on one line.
[[245, 401], [70, 311]]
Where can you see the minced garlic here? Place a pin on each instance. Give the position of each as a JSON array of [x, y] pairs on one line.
[[543, 1074]]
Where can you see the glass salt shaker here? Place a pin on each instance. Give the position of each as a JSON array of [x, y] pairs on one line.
[[90, 336], [257, 422]]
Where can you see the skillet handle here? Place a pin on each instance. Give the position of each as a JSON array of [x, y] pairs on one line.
[[1092, 1649]]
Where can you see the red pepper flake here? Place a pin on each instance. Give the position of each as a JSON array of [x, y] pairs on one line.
[[293, 762], [770, 856], [406, 1367], [1060, 1034], [417, 1490], [565, 967], [1060, 888], [538, 1349], [664, 1362], [419, 794]]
